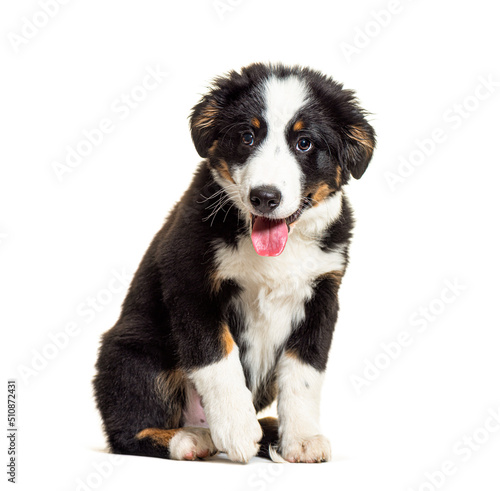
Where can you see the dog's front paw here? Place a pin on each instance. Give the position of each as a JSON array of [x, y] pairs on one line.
[[238, 434], [310, 449]]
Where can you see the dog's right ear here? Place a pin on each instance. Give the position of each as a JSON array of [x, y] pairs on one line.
[[203, 124]]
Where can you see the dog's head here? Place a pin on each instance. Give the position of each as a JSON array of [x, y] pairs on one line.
[[280, 141]]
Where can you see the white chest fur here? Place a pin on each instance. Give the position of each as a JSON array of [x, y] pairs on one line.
[[273, 292]]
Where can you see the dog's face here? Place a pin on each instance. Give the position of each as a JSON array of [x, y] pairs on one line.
[[280, 141]]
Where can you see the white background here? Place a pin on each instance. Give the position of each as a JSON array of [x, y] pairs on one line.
[[62, 241]]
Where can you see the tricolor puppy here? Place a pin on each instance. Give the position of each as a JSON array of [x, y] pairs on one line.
[[235, 301]]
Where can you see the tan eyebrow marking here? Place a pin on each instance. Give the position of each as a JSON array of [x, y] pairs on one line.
[[299, 125], [255, 122]]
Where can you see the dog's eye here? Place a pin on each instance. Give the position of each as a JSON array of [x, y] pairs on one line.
[[303, 145], [247, 138]]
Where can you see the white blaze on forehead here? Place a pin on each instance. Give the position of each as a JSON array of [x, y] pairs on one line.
[[274, 163], [283, 98]]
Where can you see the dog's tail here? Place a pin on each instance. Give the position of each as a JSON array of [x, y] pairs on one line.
[[270, 440]]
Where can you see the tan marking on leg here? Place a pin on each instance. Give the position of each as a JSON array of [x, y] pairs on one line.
[[299, 125], [321, 193], [223, 169], [255, 122], [159, 436], [227, 340]]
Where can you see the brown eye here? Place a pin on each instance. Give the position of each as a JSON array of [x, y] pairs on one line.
[[303, 145], [247, 138]]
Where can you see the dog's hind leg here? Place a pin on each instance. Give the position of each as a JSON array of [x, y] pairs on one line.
[[191, 441], [142, 402], [186, 443]]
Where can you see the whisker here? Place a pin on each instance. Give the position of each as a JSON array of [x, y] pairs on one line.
[[229, 209], [229, 195], [210, 197], [219, 205]]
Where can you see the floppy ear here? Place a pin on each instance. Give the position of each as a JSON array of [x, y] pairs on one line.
[[359, 142], [202, 123], [356, 138]]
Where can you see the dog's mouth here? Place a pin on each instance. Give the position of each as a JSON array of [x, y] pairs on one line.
[[269, 236]]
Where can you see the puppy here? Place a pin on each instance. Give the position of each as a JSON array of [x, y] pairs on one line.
[[235, 302]]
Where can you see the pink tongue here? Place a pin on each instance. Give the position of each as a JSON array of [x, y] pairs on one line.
[[269, 236]]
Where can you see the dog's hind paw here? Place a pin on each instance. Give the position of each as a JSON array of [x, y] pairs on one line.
[[191, 443]]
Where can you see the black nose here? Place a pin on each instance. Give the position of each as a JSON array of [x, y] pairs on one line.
[[265, 198]]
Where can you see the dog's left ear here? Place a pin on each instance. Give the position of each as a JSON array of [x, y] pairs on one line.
[[357, 150], [203, 124]]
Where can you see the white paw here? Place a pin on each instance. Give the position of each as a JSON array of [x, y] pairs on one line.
[[238, 434], [190, 443], [310, 449], [228, 406]]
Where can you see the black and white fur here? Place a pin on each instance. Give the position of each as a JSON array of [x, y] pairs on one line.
[[211, 332]]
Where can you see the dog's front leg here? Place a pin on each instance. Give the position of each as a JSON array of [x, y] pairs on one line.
[[299, 387], [228, 403], [300, 372]]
